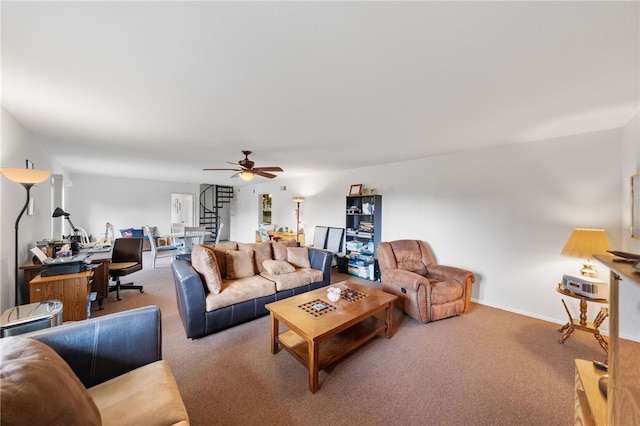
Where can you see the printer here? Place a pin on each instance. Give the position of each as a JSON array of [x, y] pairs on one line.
[[64, 265]]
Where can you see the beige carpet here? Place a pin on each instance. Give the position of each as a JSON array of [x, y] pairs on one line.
[[486, 367]]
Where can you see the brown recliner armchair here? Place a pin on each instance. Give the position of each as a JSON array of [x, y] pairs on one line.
[[426, 291]]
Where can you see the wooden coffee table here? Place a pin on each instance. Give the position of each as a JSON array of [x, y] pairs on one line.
[[321, 332]]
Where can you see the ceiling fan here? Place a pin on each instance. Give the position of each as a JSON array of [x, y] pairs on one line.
[[247, 171]]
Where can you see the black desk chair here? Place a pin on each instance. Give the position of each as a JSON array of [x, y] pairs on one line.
[[125, 259]]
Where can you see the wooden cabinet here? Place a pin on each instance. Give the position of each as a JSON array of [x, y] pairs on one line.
[[71, 289], [363, 232], [621, 406], [100, 283]]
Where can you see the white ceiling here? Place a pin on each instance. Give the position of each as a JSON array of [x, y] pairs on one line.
[[164, 89]]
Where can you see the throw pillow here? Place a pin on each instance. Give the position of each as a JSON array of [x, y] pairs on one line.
[[126, 233], [239, 264], [278, 267], [261, 252], [221, 254], [298, 257], [280, 249], [203, 260], [38, 387]]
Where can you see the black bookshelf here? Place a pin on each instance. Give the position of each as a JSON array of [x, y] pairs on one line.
[[363, 231]]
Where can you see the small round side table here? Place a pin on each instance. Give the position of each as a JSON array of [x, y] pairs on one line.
[[582, 324]]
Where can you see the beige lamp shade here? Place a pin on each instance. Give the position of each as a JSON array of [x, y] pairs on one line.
[[298, 199], [584, 243], [31, 176]]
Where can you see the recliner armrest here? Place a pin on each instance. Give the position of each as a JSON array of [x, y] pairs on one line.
[[458, 274], [102, 348], [402, 278]]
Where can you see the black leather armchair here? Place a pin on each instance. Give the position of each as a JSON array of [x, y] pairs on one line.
[[102, 348]]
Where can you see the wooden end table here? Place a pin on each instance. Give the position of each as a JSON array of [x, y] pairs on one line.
[[318, 336], [582, 324]]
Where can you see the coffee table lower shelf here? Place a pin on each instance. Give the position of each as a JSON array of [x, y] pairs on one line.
[[336, 346]]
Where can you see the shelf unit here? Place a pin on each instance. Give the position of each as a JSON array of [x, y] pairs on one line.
[[363, 223]]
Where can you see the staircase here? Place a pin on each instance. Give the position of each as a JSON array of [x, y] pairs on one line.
[[212, 199]]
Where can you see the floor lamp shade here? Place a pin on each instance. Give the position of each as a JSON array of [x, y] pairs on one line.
[[27, 178]]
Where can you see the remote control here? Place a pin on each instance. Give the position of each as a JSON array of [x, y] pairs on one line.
[[601, 365]]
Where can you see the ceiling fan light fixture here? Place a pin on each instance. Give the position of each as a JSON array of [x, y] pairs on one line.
[[246, 175]]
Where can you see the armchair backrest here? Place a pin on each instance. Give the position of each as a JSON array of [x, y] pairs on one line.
[[410, 255], [127, 250]]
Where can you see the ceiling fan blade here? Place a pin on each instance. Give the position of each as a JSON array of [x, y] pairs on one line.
[[263, 173], [235, 170], [269, 169]]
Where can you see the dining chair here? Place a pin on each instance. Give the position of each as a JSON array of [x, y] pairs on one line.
[[177, 228], [193, 235], [162, 251]]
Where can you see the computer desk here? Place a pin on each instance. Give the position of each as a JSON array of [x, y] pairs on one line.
[[100, 283]]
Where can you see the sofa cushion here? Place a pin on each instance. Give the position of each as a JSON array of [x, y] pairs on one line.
[[145, 396], [221, 250], [300, 277], [261, 252], [298, 257], [203, 260], [280, 249], [236, 291], [277, 267], [38, 387], [240, 264]]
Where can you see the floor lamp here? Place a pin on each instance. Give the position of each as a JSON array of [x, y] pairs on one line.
[[27, 178], [298, 200]]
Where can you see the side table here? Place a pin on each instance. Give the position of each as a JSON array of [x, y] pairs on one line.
[[582, 324]]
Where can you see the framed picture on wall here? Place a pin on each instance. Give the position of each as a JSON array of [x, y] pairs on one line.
[[355, 189]]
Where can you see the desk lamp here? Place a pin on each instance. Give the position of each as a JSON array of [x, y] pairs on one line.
[[27, 178], [584, 243], [298, 200], [74, 240]]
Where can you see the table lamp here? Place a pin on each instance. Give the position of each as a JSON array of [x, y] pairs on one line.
[[27, 178], [584, 243], [74, 240]]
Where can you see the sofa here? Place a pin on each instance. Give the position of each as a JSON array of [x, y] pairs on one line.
[[230, 283], [107, 370]]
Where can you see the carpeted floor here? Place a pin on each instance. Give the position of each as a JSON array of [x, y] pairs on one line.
[[486, 367]]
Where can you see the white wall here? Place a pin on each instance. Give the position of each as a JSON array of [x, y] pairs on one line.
[[125, 203], [16, 147]]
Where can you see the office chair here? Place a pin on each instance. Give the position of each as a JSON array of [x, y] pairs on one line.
[[126, 259]]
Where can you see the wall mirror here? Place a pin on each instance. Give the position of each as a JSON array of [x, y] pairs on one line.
[[183, 209], [635, 206], [264, 209]]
